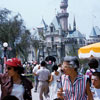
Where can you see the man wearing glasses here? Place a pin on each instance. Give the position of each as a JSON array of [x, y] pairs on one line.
[[73, 85]]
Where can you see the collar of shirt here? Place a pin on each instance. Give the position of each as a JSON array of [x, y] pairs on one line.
[[76, 79], [42, 67]]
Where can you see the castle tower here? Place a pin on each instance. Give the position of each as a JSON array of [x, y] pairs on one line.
[[63, 16]]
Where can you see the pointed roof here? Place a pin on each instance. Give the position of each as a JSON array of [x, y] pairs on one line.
[[56, 23], [75, 34], [93, 33], [97, 30], [43, 24]]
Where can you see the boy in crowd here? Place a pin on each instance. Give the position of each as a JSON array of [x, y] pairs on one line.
[[95, 79]]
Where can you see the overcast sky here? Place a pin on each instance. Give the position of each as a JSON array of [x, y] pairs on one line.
[[86, 12]]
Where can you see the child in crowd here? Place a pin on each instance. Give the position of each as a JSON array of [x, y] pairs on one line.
[[93, 65], [95, 79]]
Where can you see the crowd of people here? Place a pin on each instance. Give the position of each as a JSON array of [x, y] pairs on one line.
[[65, 82]]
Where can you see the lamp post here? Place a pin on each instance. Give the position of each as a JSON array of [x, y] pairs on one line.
[[5, 45]]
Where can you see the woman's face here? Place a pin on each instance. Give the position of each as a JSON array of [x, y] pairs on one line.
[[10, 71], [66, 68]]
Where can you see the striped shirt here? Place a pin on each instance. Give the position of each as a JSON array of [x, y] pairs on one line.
[[75, 91]]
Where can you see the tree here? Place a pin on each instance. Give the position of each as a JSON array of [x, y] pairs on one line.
[[24, 45], [35, 44], [13, 31]]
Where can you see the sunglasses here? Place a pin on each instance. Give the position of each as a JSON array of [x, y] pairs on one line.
[[68, 66], [9, 68]]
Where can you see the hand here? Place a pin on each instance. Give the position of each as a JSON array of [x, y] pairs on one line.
[[60, 95], [58, 80]]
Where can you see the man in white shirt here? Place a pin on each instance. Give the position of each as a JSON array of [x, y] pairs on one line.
[[43, 77]]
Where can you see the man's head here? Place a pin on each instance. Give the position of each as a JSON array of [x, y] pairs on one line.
[[43, 64], [70, 63], [95, 79], [93, 63]]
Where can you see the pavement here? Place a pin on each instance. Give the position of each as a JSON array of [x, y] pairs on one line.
[[35, 95]]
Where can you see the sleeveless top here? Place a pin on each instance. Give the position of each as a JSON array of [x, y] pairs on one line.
[[75, 91]]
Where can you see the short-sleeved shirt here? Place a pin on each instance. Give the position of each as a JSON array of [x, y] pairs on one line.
[[75, 91], [43, 74], [35, 69]]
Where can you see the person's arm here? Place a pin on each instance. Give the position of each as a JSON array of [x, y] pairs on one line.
[[34, 73], [50, 78], [88, 91], [36, 68], [60, 94]]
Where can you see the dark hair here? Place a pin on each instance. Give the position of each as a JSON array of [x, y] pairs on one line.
[[10, 97], [54, 67], [43, 63], [20, 70], [93, 63], [76, 61], [59, 65], [96, 74]]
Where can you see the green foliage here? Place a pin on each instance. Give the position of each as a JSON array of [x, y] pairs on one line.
[[30, 77], [13, 31], [35, 43], [73, 50]]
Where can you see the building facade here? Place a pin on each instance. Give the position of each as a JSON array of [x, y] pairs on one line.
[[58, 38]]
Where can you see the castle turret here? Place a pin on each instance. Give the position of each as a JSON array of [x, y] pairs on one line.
[[74, 25], [63, 16]]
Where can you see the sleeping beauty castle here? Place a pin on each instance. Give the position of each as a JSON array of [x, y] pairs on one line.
[[60, 39]]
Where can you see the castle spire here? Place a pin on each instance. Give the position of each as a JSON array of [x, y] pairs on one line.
[[69, 27], [74, 24]]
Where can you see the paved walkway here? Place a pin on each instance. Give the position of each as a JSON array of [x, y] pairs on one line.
[[35, 95]]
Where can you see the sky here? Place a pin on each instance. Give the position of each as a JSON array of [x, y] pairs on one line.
[[86, 12]]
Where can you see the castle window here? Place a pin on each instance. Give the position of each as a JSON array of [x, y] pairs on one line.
[[51, 29]]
